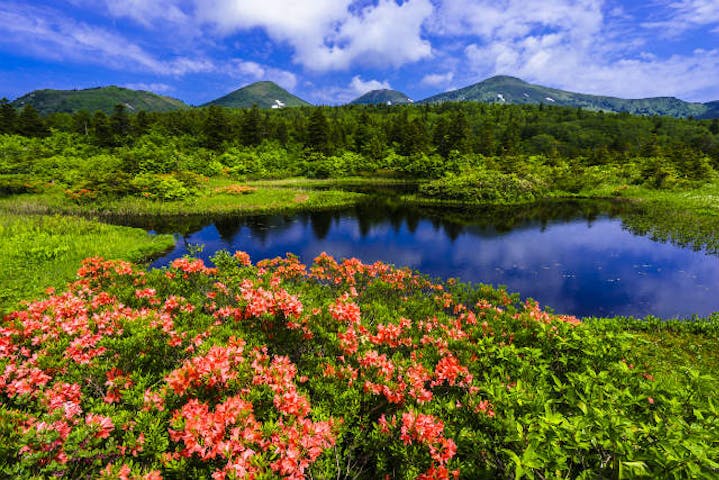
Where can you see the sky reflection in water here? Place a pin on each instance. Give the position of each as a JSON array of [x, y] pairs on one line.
[[576, 266]]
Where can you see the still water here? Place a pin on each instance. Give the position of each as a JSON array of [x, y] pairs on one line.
[[576, 258]]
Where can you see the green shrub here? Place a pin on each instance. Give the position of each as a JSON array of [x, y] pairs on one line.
[[161, 187], [482, 186]]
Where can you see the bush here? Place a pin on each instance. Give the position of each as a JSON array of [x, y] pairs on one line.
[[16, 184], [334, 370], [161, 187], [482, 186]]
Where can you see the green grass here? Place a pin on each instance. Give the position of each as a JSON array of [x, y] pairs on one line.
[[46, 251], [687, 217], [269, 197]]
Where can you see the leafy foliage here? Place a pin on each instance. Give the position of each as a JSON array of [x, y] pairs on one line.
[[336, 370]]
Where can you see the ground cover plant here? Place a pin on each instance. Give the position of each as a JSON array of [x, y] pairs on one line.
[[333, 370], [45, 251]]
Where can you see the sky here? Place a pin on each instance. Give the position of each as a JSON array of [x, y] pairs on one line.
[[332, 51]]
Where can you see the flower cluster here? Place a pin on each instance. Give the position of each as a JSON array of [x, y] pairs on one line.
[[258, 371]]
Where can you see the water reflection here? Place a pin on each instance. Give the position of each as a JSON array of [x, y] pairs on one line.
[[575, 257]]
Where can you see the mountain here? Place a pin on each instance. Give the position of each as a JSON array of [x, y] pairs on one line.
[[263, 94], [712, 110], [511, 90], [382, 97], [93, 99]]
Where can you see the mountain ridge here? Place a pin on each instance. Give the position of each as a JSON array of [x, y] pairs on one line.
[[512, 90], [266, 94], [47, 101]]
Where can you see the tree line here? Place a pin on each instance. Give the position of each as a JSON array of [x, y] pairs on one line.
[[552, 148]]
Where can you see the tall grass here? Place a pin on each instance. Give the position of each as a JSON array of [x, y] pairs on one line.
[[45, 251]]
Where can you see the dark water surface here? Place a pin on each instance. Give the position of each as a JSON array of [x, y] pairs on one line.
[[576, 258]]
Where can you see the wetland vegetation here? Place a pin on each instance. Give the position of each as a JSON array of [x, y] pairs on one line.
[[428, 377]]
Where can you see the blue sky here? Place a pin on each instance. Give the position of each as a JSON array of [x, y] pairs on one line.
[[331, 51]]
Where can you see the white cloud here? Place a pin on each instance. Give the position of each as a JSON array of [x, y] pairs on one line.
[[147, 12], [685, 15], [573, 44], [341, 95], [552, 62], [437, 79], [160, 88], [46, 33], [361, 87], [329, 34], [253, 71], [491, 20]]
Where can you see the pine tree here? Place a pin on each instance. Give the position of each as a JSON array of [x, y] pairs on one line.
[[140, 123], [318, 132], [120, 122], [216, 127], [30, 124], [8, 117], [81, 122], [251, 131], [101, 130]]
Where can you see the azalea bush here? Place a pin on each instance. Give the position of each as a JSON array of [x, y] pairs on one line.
[[334, 370]]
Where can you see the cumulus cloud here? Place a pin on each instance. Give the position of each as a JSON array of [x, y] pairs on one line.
[[46, 33], [361, 87], [355, 88], [491, 20], [253, 72], [437, 79], [581, 45], [329, 34]]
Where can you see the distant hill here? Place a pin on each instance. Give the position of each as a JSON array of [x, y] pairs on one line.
[[712, 110], [94, 99], [263, 94], [382, 97], [511, 90]]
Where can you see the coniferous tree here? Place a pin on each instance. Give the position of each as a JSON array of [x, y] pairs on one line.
[[216, 127], [120, 122], [8, 117], [251, 130], [140, 123], [318, 132], [714, 126], [101, 130], [82, 122], [30, 124]]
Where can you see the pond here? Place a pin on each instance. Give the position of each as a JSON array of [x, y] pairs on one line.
[[577, 258]]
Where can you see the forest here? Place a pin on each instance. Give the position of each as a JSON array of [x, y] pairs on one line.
[[467, 151]]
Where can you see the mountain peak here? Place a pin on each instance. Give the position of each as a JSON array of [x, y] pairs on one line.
[[97, 98], [383, 96], [264, 94], [503, 89], [504, 79]]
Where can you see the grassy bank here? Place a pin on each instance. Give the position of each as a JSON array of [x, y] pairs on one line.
[[219, 196], [687, 215], [46, 251]]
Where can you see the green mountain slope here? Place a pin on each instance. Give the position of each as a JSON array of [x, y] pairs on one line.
[[94, 99], [712, 110], [382, 97], [263, 94], [511, 90]]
